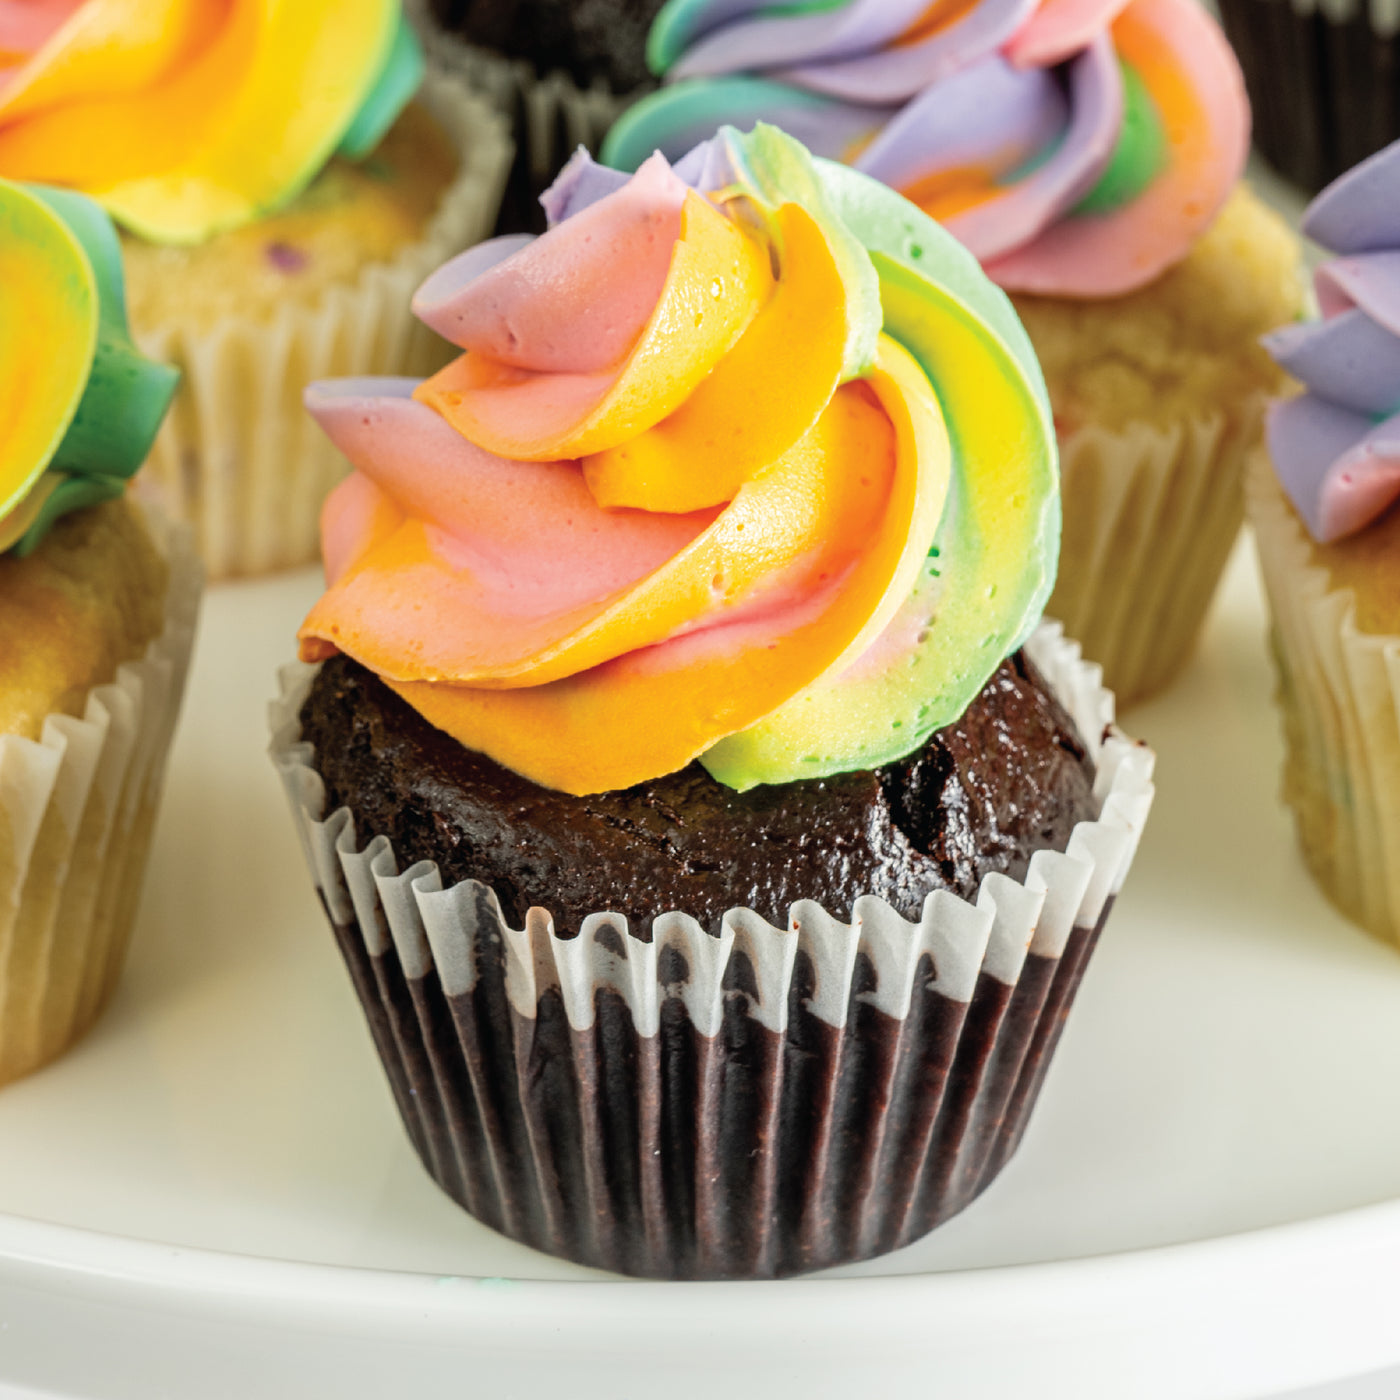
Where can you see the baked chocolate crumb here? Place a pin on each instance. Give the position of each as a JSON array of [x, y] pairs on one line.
[[983, 794]]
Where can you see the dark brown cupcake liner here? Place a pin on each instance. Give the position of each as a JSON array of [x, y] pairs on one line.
[[755, 1104], [550, 117], [1323, 80]]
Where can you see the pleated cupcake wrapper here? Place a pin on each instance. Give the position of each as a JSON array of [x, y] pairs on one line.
[[1150, 516], [1321, 76], [76, 812], [238, 456], [751, 1105], [550, 117], [1339, 689]]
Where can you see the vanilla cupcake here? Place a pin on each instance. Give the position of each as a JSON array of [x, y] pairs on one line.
[[1325, 504], [1090, 158], [280, 190], [97, 610]]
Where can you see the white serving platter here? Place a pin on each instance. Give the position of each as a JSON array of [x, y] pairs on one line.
[[211, 1196]]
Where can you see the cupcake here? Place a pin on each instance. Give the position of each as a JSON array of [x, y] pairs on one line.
[[714, 840], [279, 197], [97, 612], [1091, 161], [1321, 79], [593, 41], [1325, 505], [560, 71]]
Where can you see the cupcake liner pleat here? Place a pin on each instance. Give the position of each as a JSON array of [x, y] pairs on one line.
[[76, 811], [1322, 81], [1339, 691], [550, 117], [673, 1104], [1150, 516], [238, 457]]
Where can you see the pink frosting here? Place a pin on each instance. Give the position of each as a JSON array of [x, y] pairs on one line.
[[575, 301], [1116, 252], [25, 26], [522, 550], [1059, 29]]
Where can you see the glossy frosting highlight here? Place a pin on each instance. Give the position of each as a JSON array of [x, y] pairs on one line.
[[1077, 147], [81, 404], [1336, 448], [185, 117], [603, 543]]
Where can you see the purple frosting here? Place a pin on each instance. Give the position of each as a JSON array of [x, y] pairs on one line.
[[902, 109], [1336, 448]]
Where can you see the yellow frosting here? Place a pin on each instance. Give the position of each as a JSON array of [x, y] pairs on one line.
[[185, 117]]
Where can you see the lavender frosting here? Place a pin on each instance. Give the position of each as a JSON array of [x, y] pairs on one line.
[[857, 84], [1336, 448]]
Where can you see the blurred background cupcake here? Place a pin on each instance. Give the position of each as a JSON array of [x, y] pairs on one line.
[[1090, 157], [97, 606], [1324, 80], [560, 70], [1325, 504], [769, 835], [281, 189]]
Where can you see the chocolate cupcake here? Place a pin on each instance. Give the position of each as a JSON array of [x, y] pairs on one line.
[[1323, 81], [593, 41], [657, 654], [559, 71]]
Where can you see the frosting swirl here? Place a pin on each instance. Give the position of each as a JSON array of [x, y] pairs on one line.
[[1077, 147], [185, 117], [629, 527], [1336, 448], [81, 425]]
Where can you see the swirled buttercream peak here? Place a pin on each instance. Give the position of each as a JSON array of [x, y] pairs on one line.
[[1077, 147], [1336, 448], [185, 117], [743, 460]]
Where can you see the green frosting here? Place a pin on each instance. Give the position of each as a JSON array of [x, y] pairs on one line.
[[992, 564], [398, 80], [772, 169], [671, 30], [125, 396], [1139, 156], [686, 113]]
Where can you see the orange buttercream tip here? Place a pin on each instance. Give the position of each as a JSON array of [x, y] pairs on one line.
[[760, 399], [947, 193], [940, 15]]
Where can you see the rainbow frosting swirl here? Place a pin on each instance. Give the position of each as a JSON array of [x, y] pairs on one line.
[[186, 117], [1077, 147], [1336, 448], [79, 404], [744, 460]]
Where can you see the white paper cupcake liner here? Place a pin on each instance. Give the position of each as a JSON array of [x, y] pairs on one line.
[[1339, 689], [76, 811], [238, 457], [752, 1104], [550, 116], [1150, 516]]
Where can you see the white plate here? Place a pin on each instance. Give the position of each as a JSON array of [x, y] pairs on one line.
[[212, 1196]]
